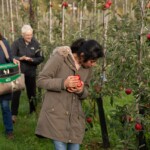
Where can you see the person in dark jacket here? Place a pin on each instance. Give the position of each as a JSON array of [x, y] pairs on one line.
[[27, 50], [4, 99]]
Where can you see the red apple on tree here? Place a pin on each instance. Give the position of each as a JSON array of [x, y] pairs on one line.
[[129, 119], [148, 36], [106, 6], [109, 2], [89, 120], [138, 126], [65, 4], [128, 91]]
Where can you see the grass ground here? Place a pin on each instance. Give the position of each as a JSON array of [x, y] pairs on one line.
[[25, 126]]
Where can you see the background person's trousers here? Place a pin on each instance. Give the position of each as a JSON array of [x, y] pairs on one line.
[[30, 83]]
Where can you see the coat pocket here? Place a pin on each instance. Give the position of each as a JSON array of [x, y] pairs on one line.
[[57, 120]]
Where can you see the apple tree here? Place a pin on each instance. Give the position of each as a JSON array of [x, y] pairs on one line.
[[127, 72]]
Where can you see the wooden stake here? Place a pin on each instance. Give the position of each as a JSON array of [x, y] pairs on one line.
[[126, 6], [12, 22], [105, 26], [17, 17], [81, 17], [3, 17], [63, 24], [95, 7], [7, 3], [106, 143], [73, 11], [3, 10], [50, 22]]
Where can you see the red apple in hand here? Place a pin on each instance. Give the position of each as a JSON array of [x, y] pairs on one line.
[[138, 126], [128, 91], [79, 84], [78, 76]]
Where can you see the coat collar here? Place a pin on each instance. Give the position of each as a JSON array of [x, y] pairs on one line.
[[67, 53]]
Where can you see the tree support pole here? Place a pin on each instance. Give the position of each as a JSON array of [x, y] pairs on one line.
[[106, 143]]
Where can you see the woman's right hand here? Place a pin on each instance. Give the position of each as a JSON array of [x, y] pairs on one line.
[[71, 82], [26, 58]]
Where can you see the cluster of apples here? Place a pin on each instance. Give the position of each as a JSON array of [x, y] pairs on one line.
[[137, 126], [65, 5], [107, 4]]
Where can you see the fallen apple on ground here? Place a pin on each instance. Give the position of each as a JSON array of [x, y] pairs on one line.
[[128, 91]]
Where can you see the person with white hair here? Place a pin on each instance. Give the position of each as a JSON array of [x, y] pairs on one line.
[[27, 50]]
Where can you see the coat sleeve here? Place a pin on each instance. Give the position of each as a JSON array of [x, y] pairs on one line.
[[38, 55], [47, 78]]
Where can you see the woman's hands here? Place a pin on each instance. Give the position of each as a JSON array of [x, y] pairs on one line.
[[73, 84], [15, 61], [26, 58]]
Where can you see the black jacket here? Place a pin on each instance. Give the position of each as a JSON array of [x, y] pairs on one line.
[[19, 49]]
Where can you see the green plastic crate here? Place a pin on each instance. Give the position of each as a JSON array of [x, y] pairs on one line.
[[9, 77]]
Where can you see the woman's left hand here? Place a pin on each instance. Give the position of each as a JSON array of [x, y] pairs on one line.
[[15, 61], [77, 89]]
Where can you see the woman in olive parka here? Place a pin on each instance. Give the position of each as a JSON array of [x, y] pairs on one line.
[[66, 77]]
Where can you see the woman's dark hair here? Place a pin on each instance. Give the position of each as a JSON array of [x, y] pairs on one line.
[[1, 37], [91, 49]]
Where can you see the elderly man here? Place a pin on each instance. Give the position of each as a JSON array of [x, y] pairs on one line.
[[26, 49]]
